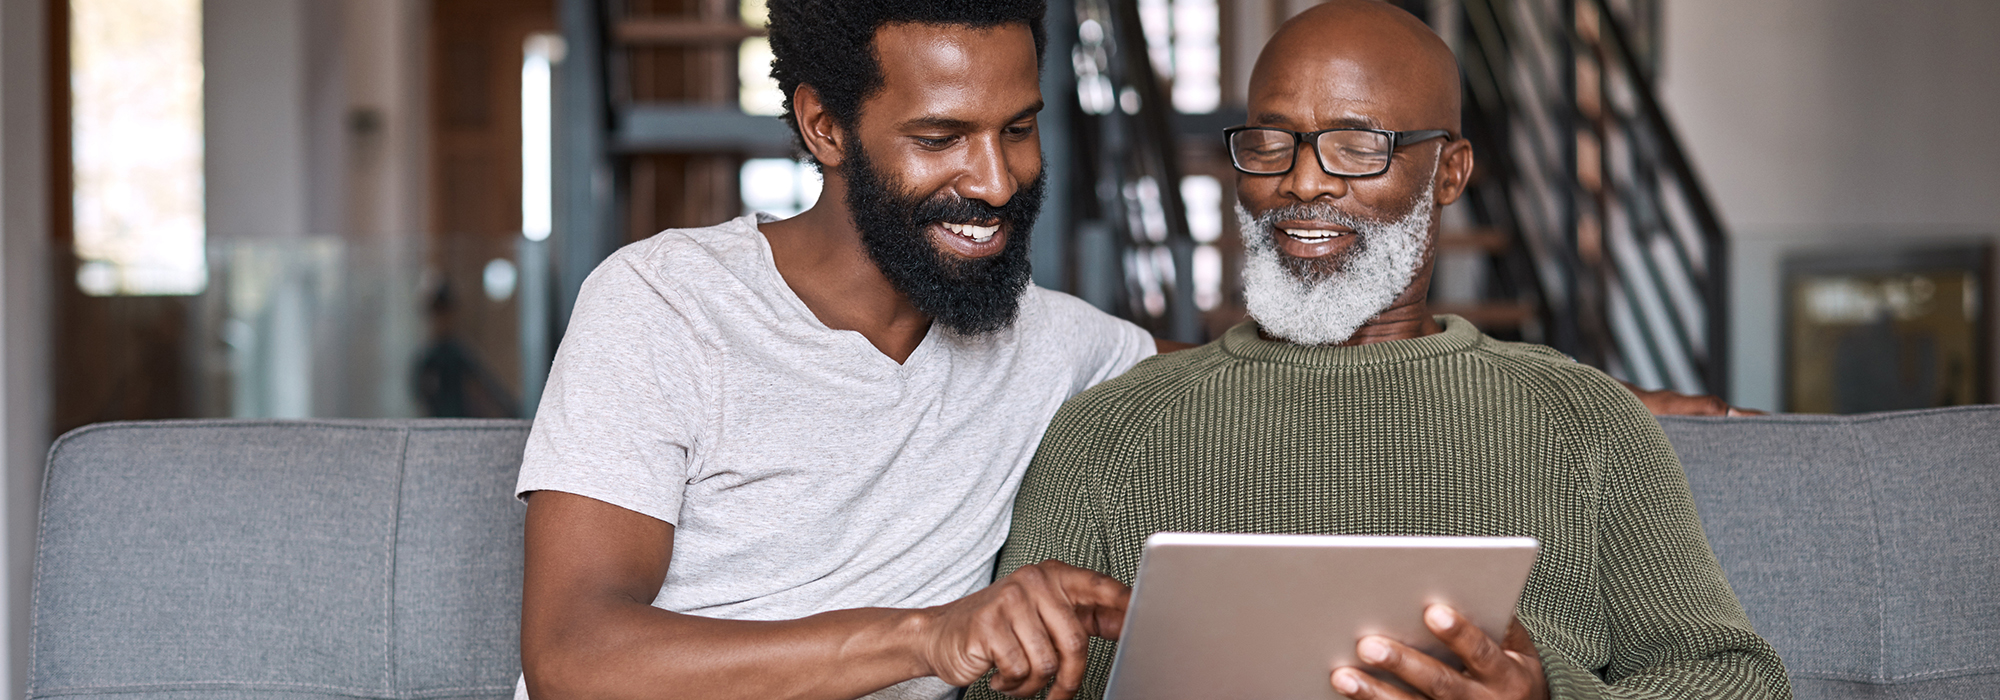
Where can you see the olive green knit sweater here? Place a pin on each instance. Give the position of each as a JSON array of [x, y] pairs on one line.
[[1449, 434]]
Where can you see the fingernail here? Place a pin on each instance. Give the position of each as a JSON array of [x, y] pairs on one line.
[[1440, 617], [1345, 682], [1373, 650]]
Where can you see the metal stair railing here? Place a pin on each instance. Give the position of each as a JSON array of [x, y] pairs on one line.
[[1128, 152], [1629, 256]]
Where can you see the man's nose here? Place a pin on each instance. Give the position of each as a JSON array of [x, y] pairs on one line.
[[987, 177], [1307, 181]]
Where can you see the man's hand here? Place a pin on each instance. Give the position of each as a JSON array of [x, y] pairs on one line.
[[1491, 671], [1667, 403], [1033, 627]]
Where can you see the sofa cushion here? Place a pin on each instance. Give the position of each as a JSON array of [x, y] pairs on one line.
[[1863, 547], [212, 559]]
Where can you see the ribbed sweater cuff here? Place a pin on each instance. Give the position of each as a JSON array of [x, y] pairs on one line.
[[1567, 680]]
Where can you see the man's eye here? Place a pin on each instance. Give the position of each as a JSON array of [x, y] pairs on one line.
[[939, 142], [1021, 130]]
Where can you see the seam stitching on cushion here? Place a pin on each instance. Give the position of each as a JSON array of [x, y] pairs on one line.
[[514, 424], [1938, 674], [35, 584], [1809, 419], [1881, 571], [257, 685], [389, 590]]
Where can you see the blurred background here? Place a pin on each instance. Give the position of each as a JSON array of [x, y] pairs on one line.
[[384, 208]]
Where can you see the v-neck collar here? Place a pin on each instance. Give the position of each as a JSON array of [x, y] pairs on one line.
[[770, 266]]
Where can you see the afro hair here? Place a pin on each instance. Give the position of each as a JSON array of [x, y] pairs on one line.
[[830, 44]]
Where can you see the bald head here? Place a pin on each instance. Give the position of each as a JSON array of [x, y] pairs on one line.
[[1351, 61], [1346, 258]]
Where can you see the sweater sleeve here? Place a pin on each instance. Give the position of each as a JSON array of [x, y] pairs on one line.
[[1675, 629], [1057, 515]]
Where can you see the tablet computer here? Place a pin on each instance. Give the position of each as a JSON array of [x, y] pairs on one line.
[[1268, 617]]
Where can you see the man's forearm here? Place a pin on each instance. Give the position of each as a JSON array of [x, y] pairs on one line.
[[588, 628], [634, 650]]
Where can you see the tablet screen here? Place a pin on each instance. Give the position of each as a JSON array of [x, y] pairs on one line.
[[1268, 617]]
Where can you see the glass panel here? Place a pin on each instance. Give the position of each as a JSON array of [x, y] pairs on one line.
[[332, 326]]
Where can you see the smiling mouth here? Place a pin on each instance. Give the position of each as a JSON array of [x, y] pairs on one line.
[[1313, 235], [972, 232]]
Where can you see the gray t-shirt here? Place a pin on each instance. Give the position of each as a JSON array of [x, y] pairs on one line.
[[803, 470]]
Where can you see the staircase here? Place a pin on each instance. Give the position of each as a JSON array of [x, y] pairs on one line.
[[1615, 242]]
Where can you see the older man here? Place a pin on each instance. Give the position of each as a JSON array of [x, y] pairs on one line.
[[1346, 407]]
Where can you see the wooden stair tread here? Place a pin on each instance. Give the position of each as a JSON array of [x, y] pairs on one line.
[[1484, 239], [666, 31], [1491, 315]]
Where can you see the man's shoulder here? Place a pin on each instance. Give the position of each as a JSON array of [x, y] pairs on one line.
[[1058, 311], [679, 267], [1557, 378], [728, 244], [1152, 385]]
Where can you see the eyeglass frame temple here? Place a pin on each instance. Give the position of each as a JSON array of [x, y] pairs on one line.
[[1397, 139]]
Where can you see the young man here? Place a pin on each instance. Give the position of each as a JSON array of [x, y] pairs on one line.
[[1347, 408], [775, 458]]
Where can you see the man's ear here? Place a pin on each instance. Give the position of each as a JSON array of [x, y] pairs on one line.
[[1454, 170], [821, 133]]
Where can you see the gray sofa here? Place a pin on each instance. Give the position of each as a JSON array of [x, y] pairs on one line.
[[316, 559], [1865, 548], [381, 559]]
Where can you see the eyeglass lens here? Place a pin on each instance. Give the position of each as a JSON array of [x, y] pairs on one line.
[[1343, 152]]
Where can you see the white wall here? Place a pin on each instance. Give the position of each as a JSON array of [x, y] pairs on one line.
[[24, 312], [315, 147], [1832, 123], [260, 150], [384, 54]]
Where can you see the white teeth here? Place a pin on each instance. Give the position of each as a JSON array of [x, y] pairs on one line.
[[1311, 234], [978, 234]]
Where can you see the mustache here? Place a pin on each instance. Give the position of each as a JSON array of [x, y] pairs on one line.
[[949, 207], [1321, 212]]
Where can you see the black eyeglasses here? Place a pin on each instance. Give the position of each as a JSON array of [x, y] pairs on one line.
[[1264, 150]]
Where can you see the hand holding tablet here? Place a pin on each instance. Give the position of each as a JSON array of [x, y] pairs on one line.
[[1271, 617], [1491, 669]]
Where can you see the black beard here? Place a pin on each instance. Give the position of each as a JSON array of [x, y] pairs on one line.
[[970, 297]]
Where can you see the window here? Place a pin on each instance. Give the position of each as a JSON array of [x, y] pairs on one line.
[[757, 92], [781, 187], [1202, 195], [136, 128], [1183, 39]]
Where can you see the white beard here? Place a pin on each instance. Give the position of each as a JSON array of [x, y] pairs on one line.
[[1327, 311]]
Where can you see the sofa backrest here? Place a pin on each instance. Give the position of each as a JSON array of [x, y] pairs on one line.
[[1865, 548], [229, 558]]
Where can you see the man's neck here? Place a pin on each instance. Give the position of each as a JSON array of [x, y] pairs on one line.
[[1409, 316], [820, 255], [1401, 321]]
